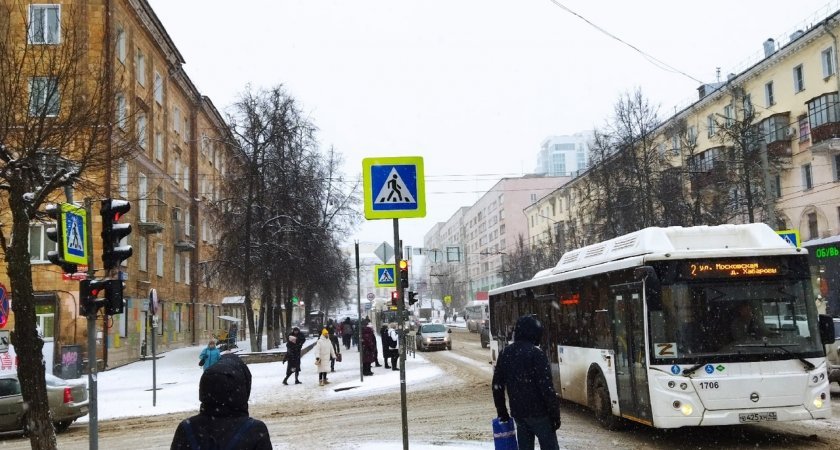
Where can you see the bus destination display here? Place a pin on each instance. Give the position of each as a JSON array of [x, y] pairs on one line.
[[730, 269]]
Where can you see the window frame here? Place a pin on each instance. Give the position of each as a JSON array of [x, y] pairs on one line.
[[711, 126], [158, 88], [47, 104], [769, 99], [121, 110], [159, 259], [140, 67], [44, 243], [798, 79], [159, 146], [827, 59], [142, 130], [807, 177], [45, 35], [121, 44]]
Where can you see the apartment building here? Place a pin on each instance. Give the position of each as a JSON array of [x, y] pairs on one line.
[[183, 152], [472, 244], [566, 155]]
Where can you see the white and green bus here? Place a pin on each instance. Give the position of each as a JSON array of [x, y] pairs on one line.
[[673, 327]]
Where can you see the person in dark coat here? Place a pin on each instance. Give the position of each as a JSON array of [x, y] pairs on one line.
[[369, 348], [335, 344], [346, 332], [523, 371], [386, 341], [294, 343], [223, 420]]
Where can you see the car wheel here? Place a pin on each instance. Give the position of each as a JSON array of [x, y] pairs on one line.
[[62, 425], [600, 404]]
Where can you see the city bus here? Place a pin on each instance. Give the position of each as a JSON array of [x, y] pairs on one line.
[[476, 314], [651, 327]]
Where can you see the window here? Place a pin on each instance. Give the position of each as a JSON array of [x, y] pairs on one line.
[[176, 120], [140, 67], [44, 24], [178, 308], [158, 146], [39, 243], [804, 128], [746, 104], [775, 128], [142, 140], [675, 143], [177, 175], [187, 222], [186, 130], [768, 94], [807, 181], [142, 257], [798, 79], [159, 259], [121, 51], [692, 135], [827, 58], [123, 179], [177, 267], [836, 167], [121, 110], [44, 98], [813, 227], [158, 87], [186, 270], [187, 178], [711, 126], [142, 194], [822, 110], [204, 230], [729, 114], [778, 185]]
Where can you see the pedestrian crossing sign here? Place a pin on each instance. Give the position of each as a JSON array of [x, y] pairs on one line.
[[384, 275], [73, 232], [790, 236], [394, 187]]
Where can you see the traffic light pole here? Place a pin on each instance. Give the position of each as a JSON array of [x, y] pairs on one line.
[[93, 422], [401, 322]]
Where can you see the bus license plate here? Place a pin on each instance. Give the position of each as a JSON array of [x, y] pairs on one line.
[[757, 417]]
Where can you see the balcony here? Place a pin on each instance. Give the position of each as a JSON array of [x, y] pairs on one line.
[[778, 134], [183, 241], [154, 219], [824, 120], [826, 138], [708, 169]]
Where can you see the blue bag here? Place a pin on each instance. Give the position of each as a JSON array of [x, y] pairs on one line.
[[504, 434]]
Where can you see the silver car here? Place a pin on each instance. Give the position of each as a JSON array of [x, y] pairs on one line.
[[433, 335], [832, 354], [67, 398]]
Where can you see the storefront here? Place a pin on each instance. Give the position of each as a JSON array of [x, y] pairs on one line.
[[824, 257]]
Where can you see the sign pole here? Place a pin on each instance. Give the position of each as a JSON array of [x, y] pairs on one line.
[[93, 366], [401, 322], [153, 305], [359, 295]]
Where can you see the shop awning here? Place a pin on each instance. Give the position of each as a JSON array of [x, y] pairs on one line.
[[236, 300]]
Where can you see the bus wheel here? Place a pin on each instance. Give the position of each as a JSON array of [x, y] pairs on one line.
[[600, 404]]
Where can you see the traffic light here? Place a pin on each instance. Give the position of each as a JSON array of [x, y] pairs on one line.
[[412, 298], [89, 291], [404, 274], [54, 234], [395, 298], [113, 232], [114, 303]]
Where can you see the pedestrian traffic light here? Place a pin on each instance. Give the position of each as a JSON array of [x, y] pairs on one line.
[[114, 303], [89, 291], [54, 234], [395, 298], [113, 232], [403, 274], [412, 298]]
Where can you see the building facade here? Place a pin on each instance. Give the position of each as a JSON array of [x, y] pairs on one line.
[[562, 156], [183, 151]]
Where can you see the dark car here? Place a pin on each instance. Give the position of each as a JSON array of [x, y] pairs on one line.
[[67, 398], [485, 336]]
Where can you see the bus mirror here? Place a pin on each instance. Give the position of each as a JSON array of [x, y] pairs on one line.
[[827, 329], [652, 285], [646, 273]]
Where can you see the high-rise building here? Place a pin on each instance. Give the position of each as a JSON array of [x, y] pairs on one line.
[[562, 156]]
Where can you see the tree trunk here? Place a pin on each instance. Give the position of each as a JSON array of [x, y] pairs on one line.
[[28, 345]]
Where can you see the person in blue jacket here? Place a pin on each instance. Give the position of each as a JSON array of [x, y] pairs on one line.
[[524, 373], [210, 355]]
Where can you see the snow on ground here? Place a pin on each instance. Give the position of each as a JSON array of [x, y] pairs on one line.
[[127, 391]]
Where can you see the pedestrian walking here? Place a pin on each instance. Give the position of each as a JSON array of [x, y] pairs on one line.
[[523, 372], [393, 345], [336, 347], [323, 352], [294, 344], [346, 332], [369, 348], [356, 330], [209, 355], [383, 333], [223, 420]]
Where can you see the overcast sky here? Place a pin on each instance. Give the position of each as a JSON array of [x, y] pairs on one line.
[[472, 86]]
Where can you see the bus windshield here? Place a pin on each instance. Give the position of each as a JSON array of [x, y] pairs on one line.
[[734, 321]]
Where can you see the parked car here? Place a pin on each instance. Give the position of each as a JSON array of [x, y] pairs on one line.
[[485, 336], [433, 335], [67, 398], [832, 354]]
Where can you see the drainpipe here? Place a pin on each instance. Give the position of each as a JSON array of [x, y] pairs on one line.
[[825, 25]]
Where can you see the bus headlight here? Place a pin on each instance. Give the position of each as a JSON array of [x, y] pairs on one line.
[[686, 409], [819, 400]]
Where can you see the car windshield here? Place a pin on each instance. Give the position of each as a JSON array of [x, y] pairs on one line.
[[736, 321], [433, 328]]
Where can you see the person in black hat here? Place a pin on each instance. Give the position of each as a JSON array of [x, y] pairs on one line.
[[223, 420]]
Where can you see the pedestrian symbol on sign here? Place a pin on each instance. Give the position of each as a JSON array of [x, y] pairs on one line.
[[394, 190], [384, 275]]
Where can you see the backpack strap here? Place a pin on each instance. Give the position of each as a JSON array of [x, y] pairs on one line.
[[190, 435], [239, 433]]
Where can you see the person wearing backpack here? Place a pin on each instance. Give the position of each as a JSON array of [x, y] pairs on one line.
[[223, 421], [393, 350]]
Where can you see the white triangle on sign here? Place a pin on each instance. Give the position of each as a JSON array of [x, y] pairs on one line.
[[394, 190], [385, 277]]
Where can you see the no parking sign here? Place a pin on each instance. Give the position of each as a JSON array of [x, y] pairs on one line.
[[4, 306]]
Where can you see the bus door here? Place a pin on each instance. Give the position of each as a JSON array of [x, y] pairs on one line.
[[630, 351]]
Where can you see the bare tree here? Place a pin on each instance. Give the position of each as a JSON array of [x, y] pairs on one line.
[[56, 131]]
